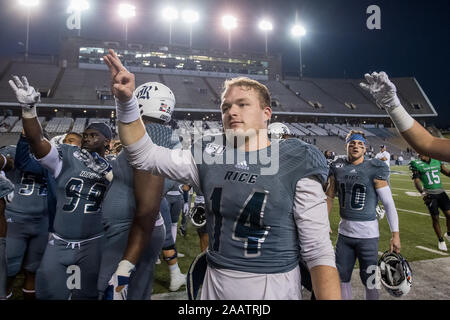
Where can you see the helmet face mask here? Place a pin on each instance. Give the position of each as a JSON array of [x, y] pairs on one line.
[[395, 274], [198, 215], [155, 101]]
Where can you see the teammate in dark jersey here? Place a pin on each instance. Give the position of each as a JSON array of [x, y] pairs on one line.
[[6, 195], [69, 268], [359, 183], [257, 219]]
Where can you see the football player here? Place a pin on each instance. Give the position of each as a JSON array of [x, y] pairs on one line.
[[385, 94], [426, 173], [29, 216], [134, 240], [6, 195], [253, 236], [69, 267], [359, 183]]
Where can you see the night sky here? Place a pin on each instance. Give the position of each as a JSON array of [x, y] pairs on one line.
[[414, 40]]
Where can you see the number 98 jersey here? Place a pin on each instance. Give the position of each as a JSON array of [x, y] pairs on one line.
[[80, 193], [250, 214], [355, 186]]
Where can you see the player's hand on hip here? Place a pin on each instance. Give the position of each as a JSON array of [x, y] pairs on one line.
[[122, 81], [382, 89], [26, 95]]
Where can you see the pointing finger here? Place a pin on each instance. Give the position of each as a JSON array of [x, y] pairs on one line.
[[17, 81], [25, 82]]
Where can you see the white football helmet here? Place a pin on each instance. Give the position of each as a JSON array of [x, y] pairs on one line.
[[198, 212], [277, 130], [58, 140], [155, 100], [395, 274]]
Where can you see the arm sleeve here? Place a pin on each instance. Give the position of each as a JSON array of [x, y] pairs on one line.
[[24, 160], [176, 164], [52, 162], [385, 196], [313, 226]]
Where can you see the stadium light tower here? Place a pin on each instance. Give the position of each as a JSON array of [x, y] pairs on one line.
[[78, 6], [170, 14], [229, 23], [28, 4], [265, 26], [190, 17], [298, 31], [126, 11]]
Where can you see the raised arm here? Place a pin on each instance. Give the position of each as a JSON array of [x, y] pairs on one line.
[[28, 99], [24, 161], [385, 94], [142, 153]]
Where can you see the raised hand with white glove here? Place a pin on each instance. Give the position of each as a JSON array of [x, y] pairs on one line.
[[26, 95], [385, 94], [118, 284]]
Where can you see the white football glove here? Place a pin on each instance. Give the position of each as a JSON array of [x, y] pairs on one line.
[[118, 284], [382, 89], [26, 96]]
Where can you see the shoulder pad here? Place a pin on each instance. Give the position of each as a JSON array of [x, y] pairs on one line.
[[8, 151], [6, 187], [377, 163]]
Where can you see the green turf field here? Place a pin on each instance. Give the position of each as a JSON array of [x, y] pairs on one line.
[[415, 230]]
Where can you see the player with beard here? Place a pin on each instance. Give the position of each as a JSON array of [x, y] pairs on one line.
[[70, 265]]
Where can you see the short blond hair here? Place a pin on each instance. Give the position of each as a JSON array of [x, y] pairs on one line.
[[262, 90]]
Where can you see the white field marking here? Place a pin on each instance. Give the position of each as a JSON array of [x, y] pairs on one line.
[[417, 212], [431, 250], [412, 190], [412, 194]]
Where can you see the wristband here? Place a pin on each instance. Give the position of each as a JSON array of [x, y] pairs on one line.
[[128, 111], [400, 117], [29, 111], [125, 268]]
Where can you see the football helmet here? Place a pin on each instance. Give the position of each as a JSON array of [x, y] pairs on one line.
[[395, 274], [198, 212], [155, 100], [277, 130]]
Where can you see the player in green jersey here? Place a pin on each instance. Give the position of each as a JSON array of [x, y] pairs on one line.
[[427, 180]]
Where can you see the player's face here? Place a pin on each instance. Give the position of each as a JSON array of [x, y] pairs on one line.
[[93, 141], [355, 150], [424, 158], [73, 140], [242, 112]]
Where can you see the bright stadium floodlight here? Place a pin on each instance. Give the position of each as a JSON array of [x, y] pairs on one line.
[[78, 5], [170, 14], [126, 11], [265, 26], [229, 23], [190, 17], [28, 4], [299, 31]]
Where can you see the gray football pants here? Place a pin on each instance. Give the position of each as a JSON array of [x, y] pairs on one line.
[[69, 270], [141, 280], [348, 249], [25, 245], [175, 205]]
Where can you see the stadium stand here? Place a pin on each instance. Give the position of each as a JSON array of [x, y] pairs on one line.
[[79, 125], [8, 123]]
